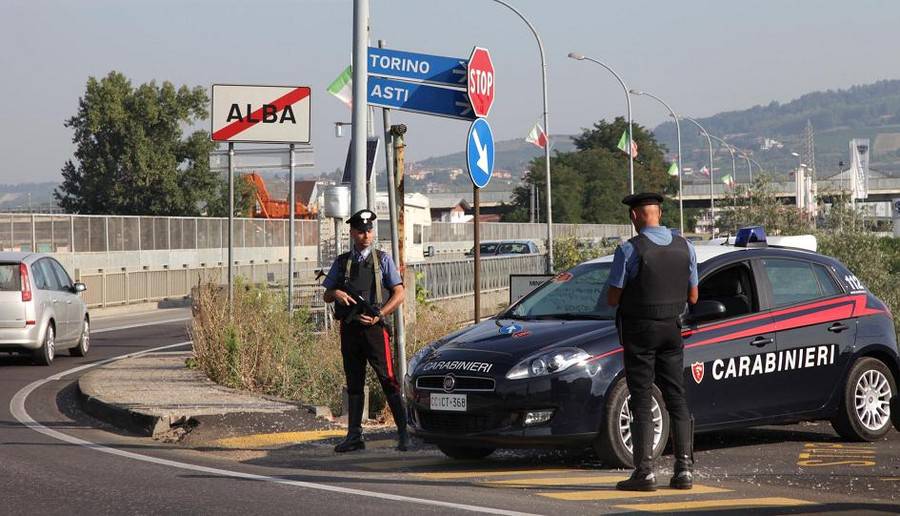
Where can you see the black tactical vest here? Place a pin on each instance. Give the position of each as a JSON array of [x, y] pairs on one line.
[[660, 288], [360, 277]]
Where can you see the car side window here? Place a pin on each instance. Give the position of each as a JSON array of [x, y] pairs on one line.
[[40, 281], [826, 281], [50, 280], [732, 286], [793, 281], [65, 282]]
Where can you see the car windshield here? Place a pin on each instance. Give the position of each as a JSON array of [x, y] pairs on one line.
[[579, 293], [9, 277], [513, 248]]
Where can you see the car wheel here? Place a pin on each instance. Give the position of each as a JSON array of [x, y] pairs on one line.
[[45, 354], [84, 343], [465, 452], [865, 412], [613, 444]]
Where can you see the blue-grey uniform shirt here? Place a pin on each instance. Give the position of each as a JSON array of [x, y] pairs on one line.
[[624, 266], [390, 276]]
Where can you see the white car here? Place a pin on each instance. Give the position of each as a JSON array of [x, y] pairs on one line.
[[40, 308]]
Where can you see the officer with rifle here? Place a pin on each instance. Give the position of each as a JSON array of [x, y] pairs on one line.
[[366, 287]]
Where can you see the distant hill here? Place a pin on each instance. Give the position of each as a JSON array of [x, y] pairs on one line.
[[24, 197], [870, 111], [509, 155]]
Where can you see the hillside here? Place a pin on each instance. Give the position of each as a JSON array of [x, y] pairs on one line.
[[27, 197], [869, 111]]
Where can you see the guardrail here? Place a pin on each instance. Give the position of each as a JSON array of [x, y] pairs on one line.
[[449, 279], [454, 232]]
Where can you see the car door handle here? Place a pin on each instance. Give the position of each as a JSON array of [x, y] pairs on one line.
[[838, 327], [761, 341]]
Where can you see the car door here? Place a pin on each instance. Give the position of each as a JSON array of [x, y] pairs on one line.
[[722, 379], [72, 301], [813, 317], [52, 298]]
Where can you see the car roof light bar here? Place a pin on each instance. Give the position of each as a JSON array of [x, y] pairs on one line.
[[752, 236]]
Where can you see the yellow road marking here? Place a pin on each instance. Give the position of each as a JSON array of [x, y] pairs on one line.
[[715, 504], [449, 475], [262, 440], [890, 479], [613, 494], [555, 481]]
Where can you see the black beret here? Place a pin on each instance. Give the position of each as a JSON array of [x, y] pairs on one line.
[[362, 220], [642, 199]]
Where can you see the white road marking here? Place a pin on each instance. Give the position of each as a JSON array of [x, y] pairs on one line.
[[17, 408], [139, 325]]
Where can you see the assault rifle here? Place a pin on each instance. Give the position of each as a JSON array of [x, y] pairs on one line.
[[362, 306]]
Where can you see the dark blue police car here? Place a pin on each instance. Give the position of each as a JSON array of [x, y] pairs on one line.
[[780, 334]]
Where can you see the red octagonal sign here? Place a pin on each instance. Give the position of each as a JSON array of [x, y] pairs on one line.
[[481, 81]]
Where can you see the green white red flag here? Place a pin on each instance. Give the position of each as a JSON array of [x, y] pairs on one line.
[[673, 169], [537, 136], [342, 87], [623, 145]]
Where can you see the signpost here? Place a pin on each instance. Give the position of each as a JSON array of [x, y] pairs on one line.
[[480, 161], [409, 66], [419, 97], [481, 82]]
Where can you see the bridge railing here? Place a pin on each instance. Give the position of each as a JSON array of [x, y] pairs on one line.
[[454, 232]]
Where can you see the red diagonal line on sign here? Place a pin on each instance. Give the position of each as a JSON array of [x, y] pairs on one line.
[[289, 98]]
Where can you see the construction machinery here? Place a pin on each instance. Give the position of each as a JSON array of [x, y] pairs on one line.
[[268, 208]]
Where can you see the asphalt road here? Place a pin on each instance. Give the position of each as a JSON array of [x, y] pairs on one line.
[[69, 463]]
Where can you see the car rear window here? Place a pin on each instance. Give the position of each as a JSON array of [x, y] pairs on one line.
[[793, 281], [9, 277]]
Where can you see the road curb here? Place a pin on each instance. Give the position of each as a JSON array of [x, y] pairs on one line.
[[134, 421]]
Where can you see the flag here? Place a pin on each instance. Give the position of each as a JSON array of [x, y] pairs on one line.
[[537, 136], [623, 145], [342, 87], [704, 171], [728, 181], [673, 169]]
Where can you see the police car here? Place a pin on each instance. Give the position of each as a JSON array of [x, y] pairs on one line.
[[780, 334]]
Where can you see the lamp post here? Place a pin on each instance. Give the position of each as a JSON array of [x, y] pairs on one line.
[[733, 167], [677, 132], [580, 57], [712, 204], [540, 43]]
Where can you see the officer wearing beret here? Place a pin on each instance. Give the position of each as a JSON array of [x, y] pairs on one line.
[[371, 274], [652, 278]]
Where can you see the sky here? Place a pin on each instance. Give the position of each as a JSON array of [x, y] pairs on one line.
[[701, 56]]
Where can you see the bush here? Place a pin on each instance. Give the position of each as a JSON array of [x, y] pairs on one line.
[[569, 252]]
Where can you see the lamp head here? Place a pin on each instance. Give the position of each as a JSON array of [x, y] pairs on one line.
[[576, 56], [795, 155], [636, 92]]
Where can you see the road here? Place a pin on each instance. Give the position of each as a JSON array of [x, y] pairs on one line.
[[69, 463]]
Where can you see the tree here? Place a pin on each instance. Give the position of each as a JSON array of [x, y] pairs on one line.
[[590, 182], [130, 156]]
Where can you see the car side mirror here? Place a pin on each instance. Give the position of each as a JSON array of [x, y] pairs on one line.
[[704, 311], [79, 287]]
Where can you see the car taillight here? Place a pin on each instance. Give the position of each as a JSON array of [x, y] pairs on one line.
[[26, 285]]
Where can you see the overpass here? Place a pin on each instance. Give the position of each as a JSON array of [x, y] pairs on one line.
[[880, 190]]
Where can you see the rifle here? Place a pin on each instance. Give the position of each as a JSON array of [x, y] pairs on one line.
[[362, 307]]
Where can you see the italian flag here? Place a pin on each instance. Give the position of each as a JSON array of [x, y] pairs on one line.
[[623, 145], [537, 136], [728, 181], [342, 87], [705, 171], [673, 169]]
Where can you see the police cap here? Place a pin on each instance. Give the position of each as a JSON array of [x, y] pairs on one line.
[[642, 199], [362, 220]]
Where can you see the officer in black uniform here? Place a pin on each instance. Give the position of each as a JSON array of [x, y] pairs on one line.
[[653, 277], [366, 287]]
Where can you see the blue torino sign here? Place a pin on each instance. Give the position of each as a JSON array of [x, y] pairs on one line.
[[418, 97], [448, 71]]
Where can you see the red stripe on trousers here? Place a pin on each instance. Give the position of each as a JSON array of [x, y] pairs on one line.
[[387, 355], [289, 98]]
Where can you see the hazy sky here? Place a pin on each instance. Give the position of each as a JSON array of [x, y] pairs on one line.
[[702, 56]]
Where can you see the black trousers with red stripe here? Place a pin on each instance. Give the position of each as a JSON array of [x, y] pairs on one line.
[[367, 344]]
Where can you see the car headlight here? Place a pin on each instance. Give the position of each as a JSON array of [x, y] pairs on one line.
[[418, 357], [547, 362]]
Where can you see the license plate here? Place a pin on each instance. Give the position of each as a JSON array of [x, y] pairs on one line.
[[452, 402]]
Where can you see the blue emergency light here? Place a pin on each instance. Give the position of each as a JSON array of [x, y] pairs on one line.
[[752, 236]]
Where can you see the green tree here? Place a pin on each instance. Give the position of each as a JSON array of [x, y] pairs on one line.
[[131, 157], [589, 182]]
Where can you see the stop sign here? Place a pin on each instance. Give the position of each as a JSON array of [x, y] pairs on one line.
[[480, 73]]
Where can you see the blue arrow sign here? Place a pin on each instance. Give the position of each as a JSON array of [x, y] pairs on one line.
[[449, 71], [420, 98], [480, 153]]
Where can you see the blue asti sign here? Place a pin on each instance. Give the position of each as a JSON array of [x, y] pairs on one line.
[[419, 98], [409, 66], [480, 152]]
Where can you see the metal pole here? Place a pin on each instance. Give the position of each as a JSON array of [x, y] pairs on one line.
[[291, 243], [230, 226], [680, 170], [360, 110], [476, 287], [730, 150], [712, 204]]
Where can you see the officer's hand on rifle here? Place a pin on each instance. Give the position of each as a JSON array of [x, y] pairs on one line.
[[369, 321], [344, 298]]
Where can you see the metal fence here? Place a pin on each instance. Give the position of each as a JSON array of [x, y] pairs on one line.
[[456, 232], [445, 280], [48, 233]]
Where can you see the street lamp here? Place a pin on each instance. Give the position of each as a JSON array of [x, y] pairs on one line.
[[712, 204], [733, 168], [678, 132], [579, 57], [546, 132]]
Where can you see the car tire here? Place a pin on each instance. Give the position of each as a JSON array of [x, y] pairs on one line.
[[465, 452], [84, 342], [610, 444], [45, 354], [864, 413]]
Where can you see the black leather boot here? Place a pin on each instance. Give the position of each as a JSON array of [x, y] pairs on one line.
[[642, 479], [398, 409], [683, 448], [354, 440]]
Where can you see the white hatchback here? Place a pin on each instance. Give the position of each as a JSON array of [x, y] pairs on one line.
[[41, 310]]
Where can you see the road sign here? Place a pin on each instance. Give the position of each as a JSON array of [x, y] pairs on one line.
[[480, 153], [260, 114], [420, 98], [481, 81], [261, 159], [448, 71]]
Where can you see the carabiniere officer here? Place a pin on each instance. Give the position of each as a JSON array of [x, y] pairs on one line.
[[653, 277], [365, 334]]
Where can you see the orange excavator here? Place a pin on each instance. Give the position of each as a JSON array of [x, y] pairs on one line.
[[268, 208]]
